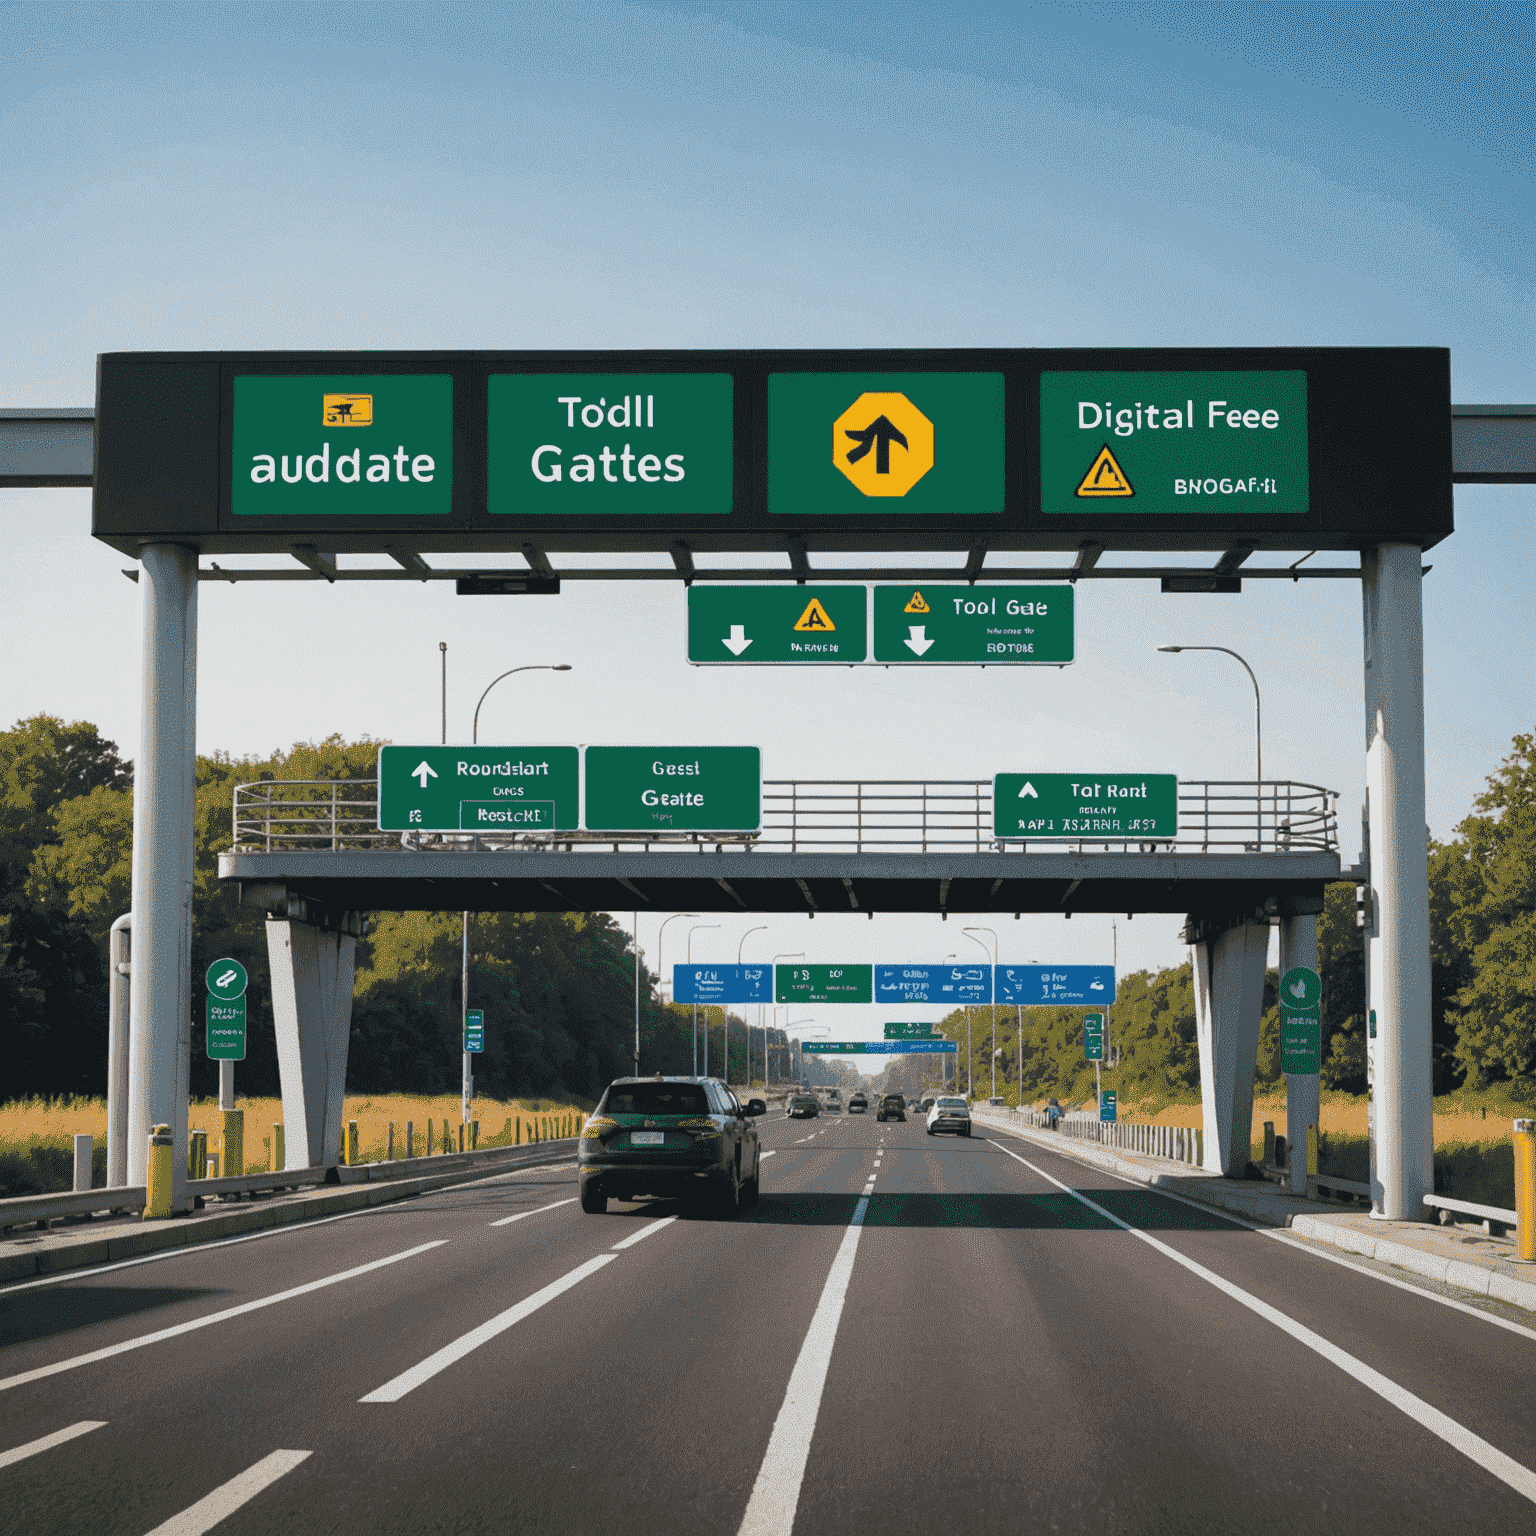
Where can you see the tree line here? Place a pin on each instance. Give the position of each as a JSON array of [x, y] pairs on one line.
[[558, 988]]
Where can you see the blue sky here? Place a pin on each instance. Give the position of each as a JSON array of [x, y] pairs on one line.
[[778, 174]]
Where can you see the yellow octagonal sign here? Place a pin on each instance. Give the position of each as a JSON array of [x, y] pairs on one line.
[[883, 443]]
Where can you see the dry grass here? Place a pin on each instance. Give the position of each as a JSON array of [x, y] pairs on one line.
[[32, 1126]]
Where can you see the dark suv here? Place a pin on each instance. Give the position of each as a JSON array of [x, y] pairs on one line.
[[892, 1107], [688, 1137]]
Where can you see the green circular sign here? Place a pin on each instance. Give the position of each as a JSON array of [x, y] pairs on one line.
[[1301, 989], [226, 980]]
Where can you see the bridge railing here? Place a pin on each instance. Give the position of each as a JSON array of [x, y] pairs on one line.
[[815, 816]]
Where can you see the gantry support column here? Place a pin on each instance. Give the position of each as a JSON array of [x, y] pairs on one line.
[[1298, 946], [1397, 948], [312, 970], [1229, 965], [164, 781]]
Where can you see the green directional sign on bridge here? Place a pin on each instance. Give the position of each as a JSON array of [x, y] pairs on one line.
[[478, 789], [923, 625], [823, 983], [1043, 806], [674, 789], [777, 626], [910, 1031]]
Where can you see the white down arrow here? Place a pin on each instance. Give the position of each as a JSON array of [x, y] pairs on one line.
[[738, 641], [917, 640]]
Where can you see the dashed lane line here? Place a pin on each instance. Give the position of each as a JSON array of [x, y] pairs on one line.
[[507, 1221], [225, 1500], [47, 1442], [776, 1493], [59, 1366], [643, 1233], [1492, 1460]]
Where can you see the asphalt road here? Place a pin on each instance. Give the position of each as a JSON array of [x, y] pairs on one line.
[[908, 1333]]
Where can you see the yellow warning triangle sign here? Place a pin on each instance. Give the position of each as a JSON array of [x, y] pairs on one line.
[[1105, 477], [916, 605], [814, 617]]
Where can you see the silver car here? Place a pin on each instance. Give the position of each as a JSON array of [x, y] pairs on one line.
[[949, 1114]]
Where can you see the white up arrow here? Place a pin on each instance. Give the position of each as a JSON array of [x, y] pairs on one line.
[[917, 640], [423, 771], [738, 641], [1028, 792]]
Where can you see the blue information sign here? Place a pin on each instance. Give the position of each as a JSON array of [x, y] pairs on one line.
[[722, 983], [1108, 1104], [1059, 986], [933, 983]]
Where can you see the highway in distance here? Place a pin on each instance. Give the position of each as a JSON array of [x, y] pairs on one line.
[[908, 1333]]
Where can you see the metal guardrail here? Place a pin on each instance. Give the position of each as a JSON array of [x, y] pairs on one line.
[[815, 816]]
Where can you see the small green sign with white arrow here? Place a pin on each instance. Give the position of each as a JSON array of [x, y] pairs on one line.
[[1071, 806], [495, 791], [921, 624]]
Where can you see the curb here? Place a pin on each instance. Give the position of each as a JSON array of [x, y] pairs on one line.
[[1279, 1210], [179, 1232]]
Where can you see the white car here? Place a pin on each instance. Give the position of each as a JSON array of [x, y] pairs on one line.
[[949, 1114]]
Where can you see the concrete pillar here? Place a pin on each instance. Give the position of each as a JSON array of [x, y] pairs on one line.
[[160, 982], [311, 971], [118, 952], [1298, 946], [1229, 1004], [1397, 948]]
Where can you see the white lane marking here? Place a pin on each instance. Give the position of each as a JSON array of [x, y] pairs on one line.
[[643, 1233], [69, 1276], [407, 1381], [224, 1501], [1302, 1245], [507, 1221], [776, 1493], [47, 1443], [213, 1317], [1473, 1447], [765, 1154]]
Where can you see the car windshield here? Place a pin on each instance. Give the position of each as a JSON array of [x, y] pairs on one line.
[[655, 1099], [951, 1103]]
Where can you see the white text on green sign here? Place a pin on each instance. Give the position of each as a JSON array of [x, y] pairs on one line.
[[928, 625], [1068, 805], [673, 789], [478, 789]]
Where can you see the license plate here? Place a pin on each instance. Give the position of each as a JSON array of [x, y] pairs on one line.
[[647, 1138]]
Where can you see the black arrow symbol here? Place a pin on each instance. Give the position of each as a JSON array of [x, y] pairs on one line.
[[882, 434]]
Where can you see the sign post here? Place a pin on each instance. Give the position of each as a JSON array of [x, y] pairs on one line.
[[474, 1031], [1301, 1031], [226, 983], [1108, 1105]]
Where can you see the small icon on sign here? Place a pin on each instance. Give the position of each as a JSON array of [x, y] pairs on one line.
[[423, 770], [1095, 986], [1105, 477], [225, 979], [1029, 792], [917, 640], [1298, 988], [815, 617], [917, 604], [877, 423], [347, 410], [738, 641], [880, 434]]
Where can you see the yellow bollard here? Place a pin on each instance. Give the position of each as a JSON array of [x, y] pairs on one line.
[[517, 1135], [197, 1156], [1525, 1191], [1269, 1144], [233, 1161], [351, 1144], [1311, 1151], [279, 1153], [410, 1139], [474, 1135], [157, 1202]]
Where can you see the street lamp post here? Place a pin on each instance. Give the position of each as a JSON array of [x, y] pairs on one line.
[[469, 1061], [661, 975], [797, 955], [992, 956], [696, 1072], [968, 1076], [746, 1029], [1258, 734]]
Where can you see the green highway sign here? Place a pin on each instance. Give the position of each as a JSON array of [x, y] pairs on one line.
[[911, 1031], [1174, 444], [674, 789], [1093, 1037], [225, 1017], [609, 444], [474, 1029], [1069, 805], [1109, 1105], [1301, 1025], [826, 625], [823, 983], [478, 789], [880, 1047], [342, 445], [961, 625], [857, 443]]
